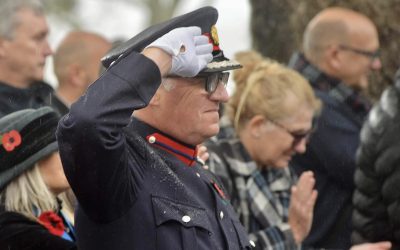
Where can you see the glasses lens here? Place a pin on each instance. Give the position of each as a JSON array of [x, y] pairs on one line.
[[212, 81], [224, 78]]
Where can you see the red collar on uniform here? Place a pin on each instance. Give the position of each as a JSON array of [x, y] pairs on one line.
[[184, 153]]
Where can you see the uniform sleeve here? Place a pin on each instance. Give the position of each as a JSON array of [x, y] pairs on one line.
[[91, 142]]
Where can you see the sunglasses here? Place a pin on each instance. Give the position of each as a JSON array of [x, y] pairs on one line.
[[371, 54], [297, 137], [213, 79]]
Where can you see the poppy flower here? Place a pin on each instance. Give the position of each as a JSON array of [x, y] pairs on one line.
[[53, 222], [11, 140]]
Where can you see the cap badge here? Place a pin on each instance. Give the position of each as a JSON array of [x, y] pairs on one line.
[[214, 35]]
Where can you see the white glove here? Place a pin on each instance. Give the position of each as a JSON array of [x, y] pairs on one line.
[[190, 50]]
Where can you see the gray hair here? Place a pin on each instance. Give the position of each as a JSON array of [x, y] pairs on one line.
[[8, 14]]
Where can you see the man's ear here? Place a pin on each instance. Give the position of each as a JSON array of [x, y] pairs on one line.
[[3, 49], [256, 125], [332, 55], [77, 75]]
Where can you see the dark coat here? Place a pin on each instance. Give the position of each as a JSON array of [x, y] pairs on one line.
[[376, 215], [133, 195], [331, 156], [38, 95], [18, 232], [333, 167]]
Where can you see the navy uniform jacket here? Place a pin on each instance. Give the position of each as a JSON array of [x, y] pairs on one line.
[[133, 194]]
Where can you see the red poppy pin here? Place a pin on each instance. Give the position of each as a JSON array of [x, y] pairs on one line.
[[10, 140], [52, 222]]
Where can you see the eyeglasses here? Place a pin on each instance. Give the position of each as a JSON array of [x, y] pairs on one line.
[[297, 137], [371, 54], [213, 79]]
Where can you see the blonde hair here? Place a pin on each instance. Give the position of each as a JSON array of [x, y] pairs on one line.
[[262, 88], [28, 194]]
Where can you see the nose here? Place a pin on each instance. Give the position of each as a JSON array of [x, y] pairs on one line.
[[220, 94], [47, 51], [301, 146], [376, 64]]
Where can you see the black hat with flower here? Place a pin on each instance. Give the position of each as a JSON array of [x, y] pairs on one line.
[[26, 136]]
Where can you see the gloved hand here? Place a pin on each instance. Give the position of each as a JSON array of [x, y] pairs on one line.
[[190, 50]]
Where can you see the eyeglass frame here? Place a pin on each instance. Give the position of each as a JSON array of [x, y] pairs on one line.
[[297, 138], [373, 55], [212, 80]]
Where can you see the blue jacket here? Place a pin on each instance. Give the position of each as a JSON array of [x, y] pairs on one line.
[[133, 194]]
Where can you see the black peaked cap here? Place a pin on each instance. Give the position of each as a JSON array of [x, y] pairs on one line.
[[205, 18]]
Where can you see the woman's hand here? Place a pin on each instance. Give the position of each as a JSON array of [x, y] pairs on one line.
[[383, 245], [301, 207]]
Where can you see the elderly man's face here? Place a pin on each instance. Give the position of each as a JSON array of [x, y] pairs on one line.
[[190, 111], [24, 55]]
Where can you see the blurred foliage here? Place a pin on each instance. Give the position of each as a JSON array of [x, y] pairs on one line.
[[277, 28]]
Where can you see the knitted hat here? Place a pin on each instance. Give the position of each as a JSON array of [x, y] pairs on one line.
[[205, 18], [26, 136]]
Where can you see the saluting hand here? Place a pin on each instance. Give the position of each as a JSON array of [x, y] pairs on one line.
[[190, 50]]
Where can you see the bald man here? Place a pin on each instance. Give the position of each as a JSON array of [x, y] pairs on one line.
[[77, 63], [340, 49]]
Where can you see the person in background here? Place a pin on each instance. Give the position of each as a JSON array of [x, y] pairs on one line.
[[340, 50], [271, 110], [375, 199], [31, 177], [23, 52], [77, 63], [137, 179]]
